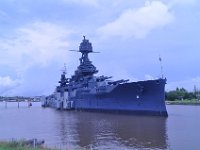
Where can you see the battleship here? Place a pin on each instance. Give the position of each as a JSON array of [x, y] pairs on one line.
[[85, 91]]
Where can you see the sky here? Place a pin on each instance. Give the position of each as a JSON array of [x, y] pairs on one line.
[[36, 36]]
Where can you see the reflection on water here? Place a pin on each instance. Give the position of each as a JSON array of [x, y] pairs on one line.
[[83, 129], [99, 130]]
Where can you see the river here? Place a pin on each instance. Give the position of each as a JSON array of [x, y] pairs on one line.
[[89, 130]]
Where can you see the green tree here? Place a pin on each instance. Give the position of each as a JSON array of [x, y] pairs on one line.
[[179, 94]]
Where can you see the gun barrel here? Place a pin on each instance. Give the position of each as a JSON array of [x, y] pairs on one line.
[[118, 81]]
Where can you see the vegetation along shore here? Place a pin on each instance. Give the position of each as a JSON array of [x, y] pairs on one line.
[[33, 144], [181, 96]]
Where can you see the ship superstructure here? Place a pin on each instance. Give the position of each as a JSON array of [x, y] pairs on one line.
[[85, 91]]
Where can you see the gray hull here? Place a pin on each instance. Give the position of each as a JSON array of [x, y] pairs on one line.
[[144, 97]]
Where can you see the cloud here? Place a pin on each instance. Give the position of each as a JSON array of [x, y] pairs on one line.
[[181, 2], [7, 84], [32, 53], [149, 77], [138, 22], [83, 2], [38, 43]]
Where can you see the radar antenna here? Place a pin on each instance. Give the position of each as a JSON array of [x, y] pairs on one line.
[[85, 47], [64, 70]]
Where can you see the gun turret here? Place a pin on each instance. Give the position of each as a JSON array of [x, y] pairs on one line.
[[118, 82], [103, 78]]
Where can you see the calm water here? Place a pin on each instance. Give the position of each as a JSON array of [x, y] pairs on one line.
[[78, 130]]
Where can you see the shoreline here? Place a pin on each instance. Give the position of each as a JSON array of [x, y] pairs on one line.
[[184, 102]]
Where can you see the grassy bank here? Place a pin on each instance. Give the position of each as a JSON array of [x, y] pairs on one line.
[[184, 102], [18, 146]]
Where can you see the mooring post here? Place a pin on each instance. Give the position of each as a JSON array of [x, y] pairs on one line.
[[5, 103], [34, 143], [18, 103]]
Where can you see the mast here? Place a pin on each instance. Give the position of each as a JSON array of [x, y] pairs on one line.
[[63, 79], [86, 68]]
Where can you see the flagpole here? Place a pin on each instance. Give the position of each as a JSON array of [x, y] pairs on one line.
[[161, 67]]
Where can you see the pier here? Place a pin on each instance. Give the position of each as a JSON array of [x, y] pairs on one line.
[[19, 100]]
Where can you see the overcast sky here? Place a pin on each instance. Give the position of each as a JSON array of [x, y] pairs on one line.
[[35, 36]]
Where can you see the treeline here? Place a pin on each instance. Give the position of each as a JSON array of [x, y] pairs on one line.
[[182, 94]]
